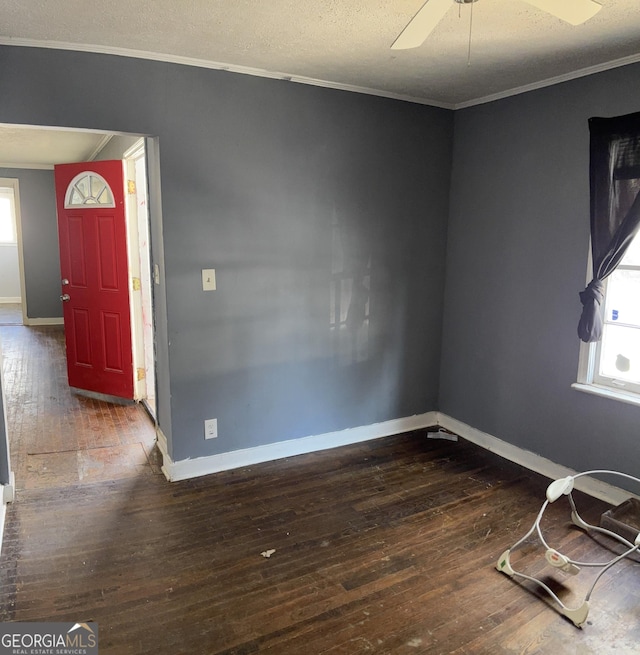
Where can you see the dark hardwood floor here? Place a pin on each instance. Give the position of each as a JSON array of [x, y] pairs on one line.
[[382, 547]]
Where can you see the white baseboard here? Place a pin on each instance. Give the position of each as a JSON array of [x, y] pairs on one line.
[[7, 495], [3, 514], [192, 468], [591, 486], [10, 300], [163, 447], [43, 321], [9, 490]]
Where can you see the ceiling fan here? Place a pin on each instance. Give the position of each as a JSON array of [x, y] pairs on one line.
[[574, 12]]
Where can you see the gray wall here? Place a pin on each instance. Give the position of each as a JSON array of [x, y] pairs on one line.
[[266, 181], [516, 260], [256, 175], [40, 241], [9, 271], [260, 179]]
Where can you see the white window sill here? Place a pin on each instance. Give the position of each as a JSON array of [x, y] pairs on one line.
[[606, 392]]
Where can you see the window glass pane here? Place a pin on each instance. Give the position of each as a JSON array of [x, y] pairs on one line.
[[98, 188], [620, 358], [103, 197], [76, 197], [623, 297], [82, 187], [88, 189], [7, 232]]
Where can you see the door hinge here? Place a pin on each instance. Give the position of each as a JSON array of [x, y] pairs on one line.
[[136, 284], [141, 374], [131, 186]]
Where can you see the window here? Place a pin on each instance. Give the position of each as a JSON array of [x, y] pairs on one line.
[[7, 217], [88, 189], [611, 367], [610, 321], [617, 356]]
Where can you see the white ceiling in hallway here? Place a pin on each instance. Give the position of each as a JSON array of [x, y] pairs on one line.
[[36, 147], [344, 42]]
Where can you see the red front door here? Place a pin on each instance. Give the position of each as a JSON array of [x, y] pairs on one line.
[[95, 280]]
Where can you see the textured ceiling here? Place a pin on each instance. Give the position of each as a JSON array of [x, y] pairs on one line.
[[344, 42], [24, 146]]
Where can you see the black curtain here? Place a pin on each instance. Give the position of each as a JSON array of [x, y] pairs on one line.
[[614, 175]]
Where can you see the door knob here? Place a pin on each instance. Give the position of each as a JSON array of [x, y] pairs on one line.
[[65, 297], [64, 281]]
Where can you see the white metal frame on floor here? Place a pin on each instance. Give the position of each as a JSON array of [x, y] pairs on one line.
[[564, 486]]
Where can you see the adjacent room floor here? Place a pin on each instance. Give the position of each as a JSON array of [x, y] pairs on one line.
[[60, 439], [10, 314], [382, 547]]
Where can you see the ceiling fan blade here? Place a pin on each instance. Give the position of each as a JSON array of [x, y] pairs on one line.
[[574, 12], [422, 24]]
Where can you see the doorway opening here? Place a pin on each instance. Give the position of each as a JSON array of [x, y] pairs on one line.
[[11, 310], [40, 247]]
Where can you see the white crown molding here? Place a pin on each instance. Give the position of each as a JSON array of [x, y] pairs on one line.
[[259, 72], [191, 468], [551, 81], [98, 149], [217, 65], [136, 150]]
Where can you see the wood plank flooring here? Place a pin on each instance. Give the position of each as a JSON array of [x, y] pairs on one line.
[[59, 438], [10, 314], [385, 547]]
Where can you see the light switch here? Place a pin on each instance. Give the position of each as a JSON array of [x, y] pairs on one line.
[[208, 279]]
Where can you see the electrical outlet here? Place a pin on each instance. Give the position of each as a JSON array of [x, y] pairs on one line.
[[211, 428]]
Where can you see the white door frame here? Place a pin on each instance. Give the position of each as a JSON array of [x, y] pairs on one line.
[[139, 253]]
